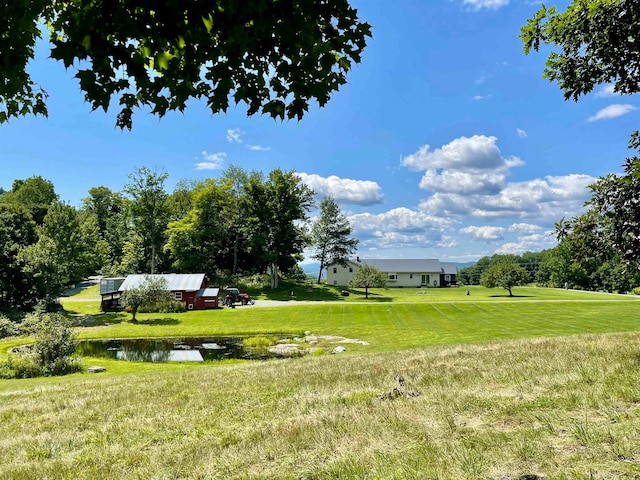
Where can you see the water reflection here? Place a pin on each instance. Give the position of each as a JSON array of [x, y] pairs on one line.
[[189, 349]]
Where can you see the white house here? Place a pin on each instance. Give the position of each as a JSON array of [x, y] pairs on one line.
[[408, 273]]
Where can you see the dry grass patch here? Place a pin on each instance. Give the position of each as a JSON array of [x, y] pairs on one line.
[[556, 408]]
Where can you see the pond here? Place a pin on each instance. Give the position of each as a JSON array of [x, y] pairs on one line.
[[188, 349]]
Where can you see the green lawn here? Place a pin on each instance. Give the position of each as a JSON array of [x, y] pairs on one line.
[[498, 401], [438, 317]]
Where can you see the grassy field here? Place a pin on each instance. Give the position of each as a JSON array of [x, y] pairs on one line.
[[537, 386]]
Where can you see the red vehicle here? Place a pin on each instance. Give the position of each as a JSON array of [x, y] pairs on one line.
[[234, 296]]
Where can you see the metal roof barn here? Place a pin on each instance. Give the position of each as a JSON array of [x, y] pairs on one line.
[[187, 282]]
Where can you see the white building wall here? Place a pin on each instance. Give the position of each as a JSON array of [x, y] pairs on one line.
[[339, 275], [413, 280]]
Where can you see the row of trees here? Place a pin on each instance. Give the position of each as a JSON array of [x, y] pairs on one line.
[[240, 223], [585, 258]]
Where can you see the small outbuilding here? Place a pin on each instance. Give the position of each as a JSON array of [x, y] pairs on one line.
[[190, 288]]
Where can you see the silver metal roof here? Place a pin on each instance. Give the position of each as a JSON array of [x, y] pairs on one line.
[[186, 282], [430, 265], [208, 292]]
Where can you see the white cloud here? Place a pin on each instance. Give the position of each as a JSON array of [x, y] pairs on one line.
[[541, 200], [612, 111], [344, 190], [521, 133], [480, 80], [462, 182], [484, 232], [212, 161], [531, 243], [606, 91], [465, 165], [400, 227], [480, 97], [488, 4], [524, 228], [474, 153], [234, 134]]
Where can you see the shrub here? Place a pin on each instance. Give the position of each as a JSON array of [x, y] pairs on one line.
[[170, 306], [636, 291], [258, 342], [8, 328], [55, 345], [23, 365], [29, 326]]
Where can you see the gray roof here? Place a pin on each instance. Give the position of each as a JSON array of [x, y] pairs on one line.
[[208, 292], [449, 268], [430, 265], [186, 282]]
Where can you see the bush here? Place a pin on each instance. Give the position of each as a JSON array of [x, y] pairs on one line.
[[8, 328], [55, 345], [29, 326], [170, 306], [258, 342], [23, 365], [52, 353], [636, 291]]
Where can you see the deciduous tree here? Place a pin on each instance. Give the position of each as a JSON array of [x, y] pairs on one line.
[[276, 211], [368, 276], [275, 57], [198, 240], [153, 289], [149, 211], [506, 274]]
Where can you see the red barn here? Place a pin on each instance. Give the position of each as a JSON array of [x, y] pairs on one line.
[[189, 288]]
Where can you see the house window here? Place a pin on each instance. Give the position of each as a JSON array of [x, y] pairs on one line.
[[393, 277], [425, 279], [335, 282], [335, 270], [411, 275], [177, 295], [447, 278]]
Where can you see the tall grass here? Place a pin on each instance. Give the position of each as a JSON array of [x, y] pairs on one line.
[[547, 408]]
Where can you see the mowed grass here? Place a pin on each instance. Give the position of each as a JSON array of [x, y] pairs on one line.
[[535, 386], [438, 317]]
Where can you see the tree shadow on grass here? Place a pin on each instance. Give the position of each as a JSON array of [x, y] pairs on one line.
[[96, 320], [153, 322], [373, 297], [506, 295]]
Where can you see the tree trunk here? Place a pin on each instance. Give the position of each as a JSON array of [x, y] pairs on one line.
[[153, 259], [366, 292], [320, 272], [235, 254], [274, 275]]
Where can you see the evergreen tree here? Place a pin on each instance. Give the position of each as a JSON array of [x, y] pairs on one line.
[[330, 236]]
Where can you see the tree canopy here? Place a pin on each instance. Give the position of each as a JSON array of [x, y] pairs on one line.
[[599, 43], [275, 57], [367, 276], [506, 274]]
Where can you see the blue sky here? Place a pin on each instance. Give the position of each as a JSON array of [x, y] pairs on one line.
[[446, 142]]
